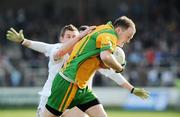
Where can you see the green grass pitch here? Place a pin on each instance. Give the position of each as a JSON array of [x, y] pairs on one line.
[[121, 113], [111, 113]]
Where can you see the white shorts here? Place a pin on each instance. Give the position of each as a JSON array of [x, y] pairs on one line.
[[41, 106]]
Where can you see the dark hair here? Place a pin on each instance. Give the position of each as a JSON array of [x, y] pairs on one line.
[[124, 22], [83, 27], [68, 27]]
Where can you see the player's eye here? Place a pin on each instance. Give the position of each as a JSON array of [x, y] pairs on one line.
[[73, 36], [68, 36]]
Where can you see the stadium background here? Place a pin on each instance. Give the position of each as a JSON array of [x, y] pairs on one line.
[[153, 57]]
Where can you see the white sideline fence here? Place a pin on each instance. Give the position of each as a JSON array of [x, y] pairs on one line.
[[109, 96]]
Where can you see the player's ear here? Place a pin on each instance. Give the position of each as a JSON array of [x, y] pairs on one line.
[[118, 30], [61, 38]]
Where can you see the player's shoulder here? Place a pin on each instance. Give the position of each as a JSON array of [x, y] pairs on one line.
[[106, 37], [55, 47], [107, 33]]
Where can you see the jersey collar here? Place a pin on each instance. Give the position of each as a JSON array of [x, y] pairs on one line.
[[109, 23]]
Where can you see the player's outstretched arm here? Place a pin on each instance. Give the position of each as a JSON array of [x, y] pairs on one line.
[[67, 46], [18, 37], [121, 81], [116, 77]]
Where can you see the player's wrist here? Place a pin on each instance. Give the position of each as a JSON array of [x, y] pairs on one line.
[[21, 42], [132, 90], [25, 42]]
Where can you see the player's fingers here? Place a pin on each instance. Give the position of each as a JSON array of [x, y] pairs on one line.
[[13, 30], [21, 31], [92, 27], [142, 97], [10, 32], [89, 29], [147, 92], [9, 35], [145, 96]]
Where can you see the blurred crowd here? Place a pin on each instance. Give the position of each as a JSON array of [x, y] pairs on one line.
[[153, 56]]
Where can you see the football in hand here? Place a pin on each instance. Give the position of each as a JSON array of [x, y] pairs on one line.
[[120, 55]]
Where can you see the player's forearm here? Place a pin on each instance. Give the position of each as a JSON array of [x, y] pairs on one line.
[[127, 86], [35, 45], [116, 77], [110, 61], [66, 47]]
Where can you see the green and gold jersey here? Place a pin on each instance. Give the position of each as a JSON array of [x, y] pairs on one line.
[[84, 59]]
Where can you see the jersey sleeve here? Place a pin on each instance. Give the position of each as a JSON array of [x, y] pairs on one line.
[[116, 77], [41, 47], [106, 41]]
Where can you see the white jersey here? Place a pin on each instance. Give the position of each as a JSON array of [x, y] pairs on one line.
[[53, 67]]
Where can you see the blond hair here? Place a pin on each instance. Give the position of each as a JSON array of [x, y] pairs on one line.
[[68, 27]]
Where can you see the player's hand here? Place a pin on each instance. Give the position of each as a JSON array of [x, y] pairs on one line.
[[87, 31], [142, 93], [14, 36]]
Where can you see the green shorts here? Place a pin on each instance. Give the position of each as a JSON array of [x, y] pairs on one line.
[[67, 95]]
